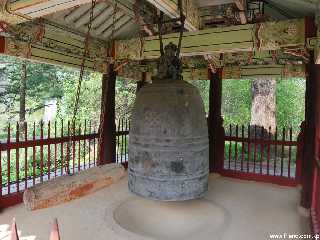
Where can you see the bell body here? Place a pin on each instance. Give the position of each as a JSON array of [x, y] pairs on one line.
[[168, 142]]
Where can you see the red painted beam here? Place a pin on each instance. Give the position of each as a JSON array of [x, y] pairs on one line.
[[260, 141], [283, 181], [42, 142], [11, 200]]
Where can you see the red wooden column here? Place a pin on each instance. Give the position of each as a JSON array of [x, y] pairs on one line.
[[107, 144], [215, 122], [308, 160], [2, 44]]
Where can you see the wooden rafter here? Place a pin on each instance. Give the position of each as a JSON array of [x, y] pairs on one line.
[[39, 8], [170, 8], [241, 5]]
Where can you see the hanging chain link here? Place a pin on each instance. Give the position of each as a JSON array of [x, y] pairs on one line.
[[81, 75], [82, 68]]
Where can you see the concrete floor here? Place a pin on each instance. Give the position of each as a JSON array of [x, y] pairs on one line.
[[232, 209]]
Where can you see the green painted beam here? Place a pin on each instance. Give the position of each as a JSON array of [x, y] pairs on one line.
[[249, 37], [48, 43]]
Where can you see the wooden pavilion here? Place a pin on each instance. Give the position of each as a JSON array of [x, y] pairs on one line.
[[223, 39]]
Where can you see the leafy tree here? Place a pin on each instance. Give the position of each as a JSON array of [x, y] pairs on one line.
[[290, 102], [236, 101], [43, 82], [203, 86], [125, 96]]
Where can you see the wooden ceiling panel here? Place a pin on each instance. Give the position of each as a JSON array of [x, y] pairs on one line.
[[206, 3]]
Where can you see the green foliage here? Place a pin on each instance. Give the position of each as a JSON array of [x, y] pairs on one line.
[[203, 86], [290, 103], [40, 79], [125, 96], [236, 102], [89, 101]]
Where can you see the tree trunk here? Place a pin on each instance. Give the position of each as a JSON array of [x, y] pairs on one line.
[[23, 86], [263, 110], [67, 188]]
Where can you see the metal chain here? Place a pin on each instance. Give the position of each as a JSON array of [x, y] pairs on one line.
[[85, 55], [82, 68]]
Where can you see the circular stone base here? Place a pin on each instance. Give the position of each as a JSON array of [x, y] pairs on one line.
[[194, 219]]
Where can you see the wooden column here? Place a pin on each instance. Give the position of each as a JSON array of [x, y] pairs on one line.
[[215, 122], [107, 144], [312, 76], [141, 83], [2, 44]]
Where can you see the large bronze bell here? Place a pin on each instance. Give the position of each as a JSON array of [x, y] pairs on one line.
[[168, 141]]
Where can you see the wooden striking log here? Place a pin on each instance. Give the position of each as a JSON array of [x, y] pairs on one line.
[[67, 188]]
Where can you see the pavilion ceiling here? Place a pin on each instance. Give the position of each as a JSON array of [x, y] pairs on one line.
[[214, 27]]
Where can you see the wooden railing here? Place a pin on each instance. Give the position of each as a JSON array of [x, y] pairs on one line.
[[40, 152], [32, 154], [254, 153]]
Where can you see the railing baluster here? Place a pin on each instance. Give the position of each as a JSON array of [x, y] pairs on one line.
[[17, 158], [275, 152], [26, 168], [84, 144], [282, 149], [41, 152], [73, 145], [61, 150], [55, 150], [49, 151], [249, 148], [289, 162], [236, 148], [122, 139], [126, 139], [118, 141], [261, 147], [68, 150], [8, 158], [34, 155], [94, 147], [79, 149], [230, 144], [255, 149], [242, 147], [90, 144], [268, 151]]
